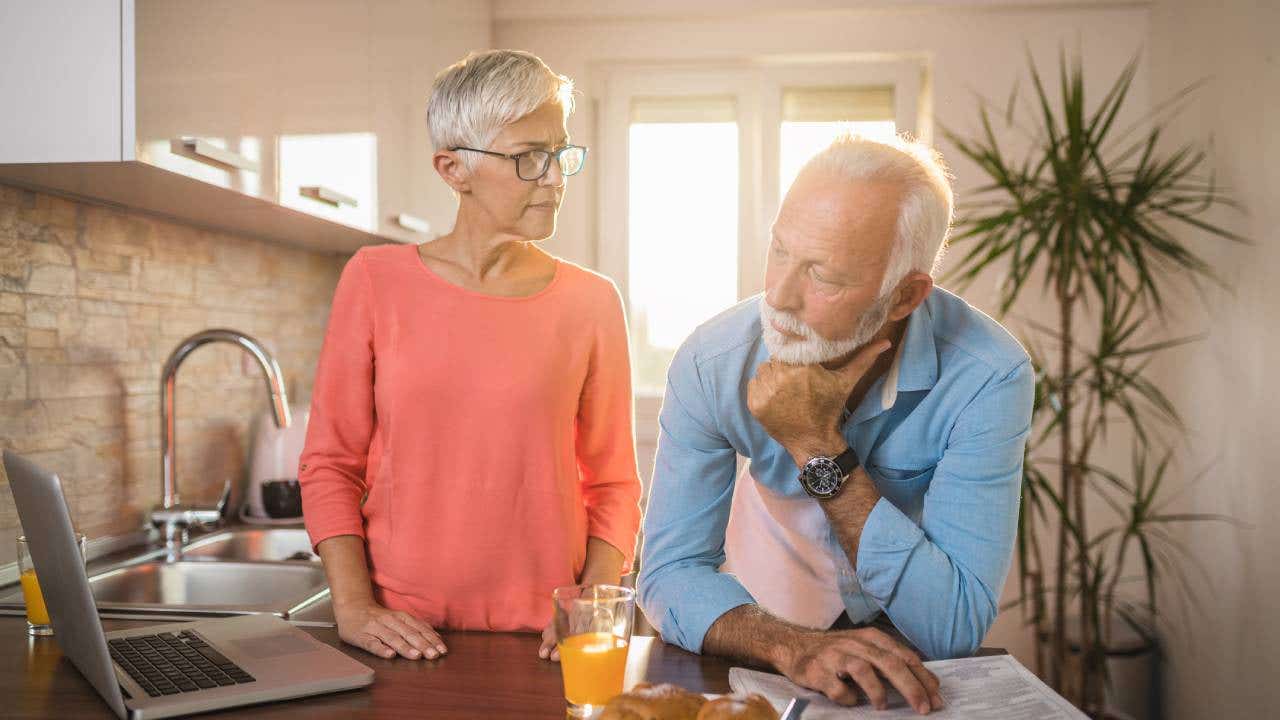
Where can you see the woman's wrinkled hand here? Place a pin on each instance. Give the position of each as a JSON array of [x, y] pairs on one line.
[[549, 651], [386, 633]]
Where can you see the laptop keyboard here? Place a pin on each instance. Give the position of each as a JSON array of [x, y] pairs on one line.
[[171, 663]]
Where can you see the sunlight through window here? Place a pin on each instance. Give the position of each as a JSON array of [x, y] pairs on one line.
[[802, 140], [683, 235], [813, 116]]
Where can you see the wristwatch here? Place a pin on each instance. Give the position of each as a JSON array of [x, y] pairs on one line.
[[824, 477]]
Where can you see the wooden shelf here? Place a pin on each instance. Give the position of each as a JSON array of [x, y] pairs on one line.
[[146, 188]]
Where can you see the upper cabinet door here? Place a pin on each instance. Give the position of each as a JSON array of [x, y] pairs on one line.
[[331, 175], [325, 144], [206, 98], [62, 80]]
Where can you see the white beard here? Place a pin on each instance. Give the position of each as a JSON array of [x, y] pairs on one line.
[[814, 349]]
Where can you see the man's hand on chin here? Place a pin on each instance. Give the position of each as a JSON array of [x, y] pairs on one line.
[[800, 405]]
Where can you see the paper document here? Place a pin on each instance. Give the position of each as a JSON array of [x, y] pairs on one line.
[[991, 688]]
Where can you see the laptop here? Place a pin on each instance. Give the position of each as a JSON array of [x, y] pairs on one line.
[[172, 669]]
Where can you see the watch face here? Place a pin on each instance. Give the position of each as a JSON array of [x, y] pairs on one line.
[[821, 477]]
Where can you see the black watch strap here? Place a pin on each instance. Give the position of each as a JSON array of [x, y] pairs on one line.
[[847, 461]]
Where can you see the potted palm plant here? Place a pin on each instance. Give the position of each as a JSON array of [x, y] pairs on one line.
[[1090, 216]]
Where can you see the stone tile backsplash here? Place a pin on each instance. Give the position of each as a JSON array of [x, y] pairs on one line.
[[92, 301]]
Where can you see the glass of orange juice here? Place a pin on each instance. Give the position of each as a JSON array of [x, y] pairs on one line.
[[593, 630], [38, 623]]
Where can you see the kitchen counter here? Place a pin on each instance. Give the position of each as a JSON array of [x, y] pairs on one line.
[[485, 675]]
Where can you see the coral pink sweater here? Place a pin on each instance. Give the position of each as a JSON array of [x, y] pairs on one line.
[[473, 441]]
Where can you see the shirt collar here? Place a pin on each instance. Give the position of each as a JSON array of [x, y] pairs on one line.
[[915, 367]]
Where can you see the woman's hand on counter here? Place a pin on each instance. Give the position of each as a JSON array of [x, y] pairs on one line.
[[361, 620], [386, 633]]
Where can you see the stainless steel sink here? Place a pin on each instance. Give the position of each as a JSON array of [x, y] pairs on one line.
[[234, 571], [252, 545], [211, 588]]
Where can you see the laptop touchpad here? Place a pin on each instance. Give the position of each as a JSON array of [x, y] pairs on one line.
[[274, 645]]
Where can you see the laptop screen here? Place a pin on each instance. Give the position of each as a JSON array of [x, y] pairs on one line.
[[46, 522]]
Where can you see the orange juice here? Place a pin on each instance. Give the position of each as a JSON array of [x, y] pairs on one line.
[[37, 613], [593, 665]]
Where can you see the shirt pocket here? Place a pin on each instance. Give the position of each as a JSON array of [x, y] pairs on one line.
[[904, 487]]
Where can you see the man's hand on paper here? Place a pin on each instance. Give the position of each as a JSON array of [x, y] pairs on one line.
[[846, 665]]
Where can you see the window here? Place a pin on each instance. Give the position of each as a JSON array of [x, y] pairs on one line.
[[682, 224], [694, 164], [813, 117]]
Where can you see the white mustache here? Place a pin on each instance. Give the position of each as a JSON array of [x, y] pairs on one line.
[[786, 321]]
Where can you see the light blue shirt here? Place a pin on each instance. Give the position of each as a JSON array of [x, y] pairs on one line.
[[946, 457]]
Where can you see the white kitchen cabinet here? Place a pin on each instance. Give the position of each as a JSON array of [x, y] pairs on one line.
[[204, 76], [300, 121], [62, 81]]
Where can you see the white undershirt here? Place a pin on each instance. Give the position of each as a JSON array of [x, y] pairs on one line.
[[777, 545]]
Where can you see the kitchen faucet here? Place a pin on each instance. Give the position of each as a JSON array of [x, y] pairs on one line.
[[173, 518]]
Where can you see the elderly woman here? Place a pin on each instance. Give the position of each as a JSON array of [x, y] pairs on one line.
[[470, 444]]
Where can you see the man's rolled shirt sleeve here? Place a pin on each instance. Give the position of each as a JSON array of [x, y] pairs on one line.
[[681, 588], [940, 580]]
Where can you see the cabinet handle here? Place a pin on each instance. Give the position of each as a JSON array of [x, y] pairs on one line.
[[327, 195], [210, 154], [413, 223]]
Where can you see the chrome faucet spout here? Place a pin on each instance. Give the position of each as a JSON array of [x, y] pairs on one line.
[[172, 516]]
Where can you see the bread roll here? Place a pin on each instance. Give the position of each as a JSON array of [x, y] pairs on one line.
[[738, 707], [654, 702]]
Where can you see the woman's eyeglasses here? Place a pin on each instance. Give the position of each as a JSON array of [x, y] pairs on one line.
[[533, 164]]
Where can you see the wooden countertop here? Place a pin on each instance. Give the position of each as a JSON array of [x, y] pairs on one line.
[[485, 675]]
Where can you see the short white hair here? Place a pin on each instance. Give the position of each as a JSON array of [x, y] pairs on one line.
[[924, 219], [472, 99]]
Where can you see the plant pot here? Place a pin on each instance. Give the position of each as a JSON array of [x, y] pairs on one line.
[[1135, 670]]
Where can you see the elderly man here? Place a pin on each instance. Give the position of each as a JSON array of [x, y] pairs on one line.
[[884, 420]]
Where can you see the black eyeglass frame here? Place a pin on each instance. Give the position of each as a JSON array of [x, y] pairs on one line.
[[546, 166]]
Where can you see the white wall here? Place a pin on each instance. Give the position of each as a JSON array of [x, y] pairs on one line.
[[1224, 663], [973, 48]]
